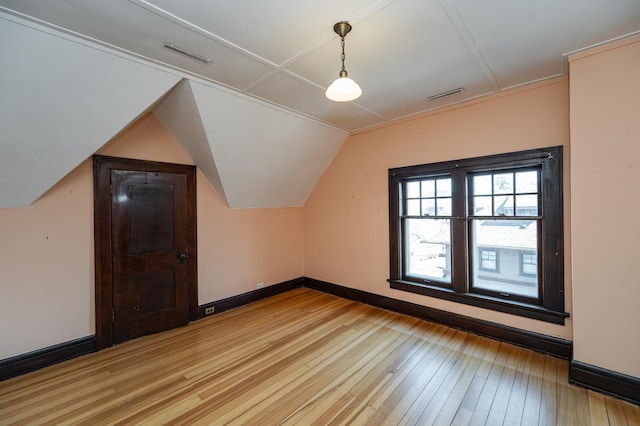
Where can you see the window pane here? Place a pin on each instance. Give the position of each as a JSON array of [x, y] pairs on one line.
[[429, 207], [503, 183], [413, 189], [444, 206], [508, 239], [428, 188], [413, 207], [527, 182], [428, 252], [482, 185], [482, 206], [503, 206], [444, 187], [526, 205]]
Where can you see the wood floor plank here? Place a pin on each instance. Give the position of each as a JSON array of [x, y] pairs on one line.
[[616, 412], [597, 409], [487, 394], [500, 403], [632, 413], [548, 397], [432, 397], [579, 402], [328, 377], [531, 410], [309, 358], [355, 387], [517, 398], [313, 364], [406, 394], [359, 388], [387, 397], [563, 410]]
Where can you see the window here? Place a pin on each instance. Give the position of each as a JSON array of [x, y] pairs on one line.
[[428, 239], [488, 260], [483, 231], [528, 264]]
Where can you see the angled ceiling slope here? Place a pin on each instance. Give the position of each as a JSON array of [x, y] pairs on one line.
[[61, 101], [179, 113], [63, 98], [253, 153]]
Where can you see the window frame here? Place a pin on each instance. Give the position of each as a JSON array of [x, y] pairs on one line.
[[549, 306]]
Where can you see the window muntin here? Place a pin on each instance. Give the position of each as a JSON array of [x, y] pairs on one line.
[[507, 194], [504, 193], [428, 197]]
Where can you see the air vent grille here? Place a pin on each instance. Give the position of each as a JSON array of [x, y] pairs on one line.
[[186, 53], [445, 94]]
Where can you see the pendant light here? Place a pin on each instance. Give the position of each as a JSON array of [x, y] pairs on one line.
[[343, 89]]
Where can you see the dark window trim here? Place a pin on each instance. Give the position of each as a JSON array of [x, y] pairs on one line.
[[550, 263], [482, 301]]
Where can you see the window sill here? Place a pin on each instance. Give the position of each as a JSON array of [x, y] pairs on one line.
[[510, 307]]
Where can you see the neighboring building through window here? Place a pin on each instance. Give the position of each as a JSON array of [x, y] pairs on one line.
[[472, 231]]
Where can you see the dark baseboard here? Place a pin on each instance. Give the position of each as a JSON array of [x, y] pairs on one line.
[[45, 357], [606, 381], [557, 347], [252, 296]]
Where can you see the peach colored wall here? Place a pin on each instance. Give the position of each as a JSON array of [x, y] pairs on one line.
[[605, 149], [46, 251], [46, 267], [346, 216]]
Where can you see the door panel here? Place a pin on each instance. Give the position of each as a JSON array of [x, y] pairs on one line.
[[148, 232], [145, 248]]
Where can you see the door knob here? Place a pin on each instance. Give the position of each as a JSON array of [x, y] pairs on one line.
[[183, 257]]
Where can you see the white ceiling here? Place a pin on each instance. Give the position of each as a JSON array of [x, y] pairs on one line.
[[270, 64]]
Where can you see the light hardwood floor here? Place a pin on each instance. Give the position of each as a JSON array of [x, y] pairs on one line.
[[305, 357]]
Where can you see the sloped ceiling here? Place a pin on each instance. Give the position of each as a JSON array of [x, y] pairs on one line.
[[253, 154], [270, 64], [61, 101], [63, 98]]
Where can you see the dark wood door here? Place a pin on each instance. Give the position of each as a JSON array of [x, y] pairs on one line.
[[150, 256], [147, 249]]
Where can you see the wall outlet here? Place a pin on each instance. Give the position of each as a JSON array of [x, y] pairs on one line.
[[260, 285], [210, 310]]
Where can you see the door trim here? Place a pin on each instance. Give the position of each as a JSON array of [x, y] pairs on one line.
[[102, 166]]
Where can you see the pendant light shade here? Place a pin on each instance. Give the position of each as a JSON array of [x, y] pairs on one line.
[[343, 89]]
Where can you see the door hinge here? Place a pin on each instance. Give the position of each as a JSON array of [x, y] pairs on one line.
[[113, 314]]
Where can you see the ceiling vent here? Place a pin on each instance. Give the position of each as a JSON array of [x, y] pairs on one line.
[[445, 94], [186, 53]]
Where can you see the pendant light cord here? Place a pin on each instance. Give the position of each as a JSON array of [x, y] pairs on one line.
[[342, 57]]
